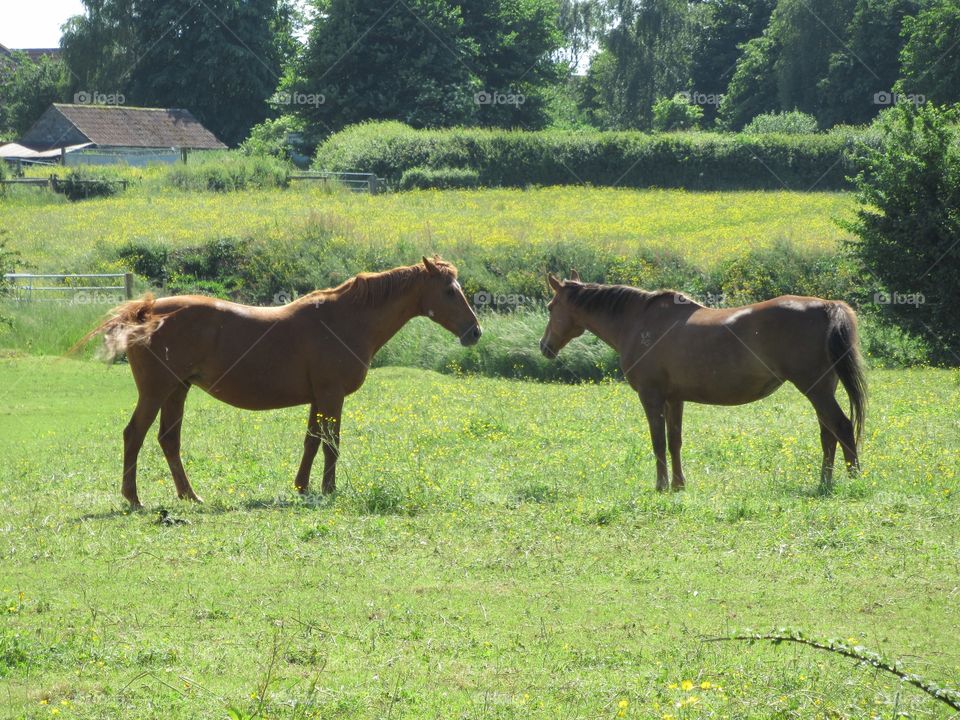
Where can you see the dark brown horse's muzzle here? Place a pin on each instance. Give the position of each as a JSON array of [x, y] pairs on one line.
[[548, 352]]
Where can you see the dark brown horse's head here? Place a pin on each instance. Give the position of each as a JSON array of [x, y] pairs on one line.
[[443, 302], [562, 326]]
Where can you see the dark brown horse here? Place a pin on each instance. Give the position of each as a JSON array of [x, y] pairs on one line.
[[314, 351], [674, 350]]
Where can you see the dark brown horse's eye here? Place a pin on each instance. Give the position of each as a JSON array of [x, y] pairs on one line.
[[451, 292]]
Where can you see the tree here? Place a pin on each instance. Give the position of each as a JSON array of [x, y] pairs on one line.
[[515, 42], [676, 113], [428, 63], [645, 55], [930, 59], [753, 88], [220, 59], [909, 221], [27, 89], [861, 75], [725, 26]]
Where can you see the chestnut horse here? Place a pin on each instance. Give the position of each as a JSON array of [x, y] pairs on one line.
[[673, 350], [314, 351]]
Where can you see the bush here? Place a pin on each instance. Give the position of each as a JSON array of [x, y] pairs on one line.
[[276, 138], [512, 158], [676, 113], [786, 123], [82, 183], [909, 222], [227, 171], [424, 178]]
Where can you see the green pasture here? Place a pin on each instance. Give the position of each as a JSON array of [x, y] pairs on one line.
[[495, 550]]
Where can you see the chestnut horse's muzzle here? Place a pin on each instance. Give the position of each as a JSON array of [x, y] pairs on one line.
[[471, 336]]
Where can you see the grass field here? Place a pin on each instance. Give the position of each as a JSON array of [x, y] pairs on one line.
[[704, 228], [496, 550]]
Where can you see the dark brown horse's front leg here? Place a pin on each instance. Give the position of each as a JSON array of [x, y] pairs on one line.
[[653, 406], [675, 441], [133, 434]]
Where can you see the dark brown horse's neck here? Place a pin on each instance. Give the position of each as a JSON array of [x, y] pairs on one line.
[[605, 326]]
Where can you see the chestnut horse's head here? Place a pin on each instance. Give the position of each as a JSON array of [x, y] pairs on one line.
[[562, 326], [443, 302]]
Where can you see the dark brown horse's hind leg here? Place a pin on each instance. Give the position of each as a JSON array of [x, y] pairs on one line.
[[171, 422], [653, 406], [675, 441], [133, 434], [835, 427]]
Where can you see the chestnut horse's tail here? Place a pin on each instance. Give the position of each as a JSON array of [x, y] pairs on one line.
[[843, 345], [129, 324]]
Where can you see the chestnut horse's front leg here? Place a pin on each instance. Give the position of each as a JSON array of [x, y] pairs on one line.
[[323, 428]]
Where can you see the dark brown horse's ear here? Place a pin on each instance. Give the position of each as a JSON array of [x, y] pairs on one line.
[[431, 266], [554, 282], [574, 275]]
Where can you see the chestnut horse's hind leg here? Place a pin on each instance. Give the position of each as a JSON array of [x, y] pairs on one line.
[[675, 441], [133, 434], [653, 406], [171, 422]]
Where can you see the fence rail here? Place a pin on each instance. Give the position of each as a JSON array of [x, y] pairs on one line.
[[357, 182], [53, 182], [24, 286]]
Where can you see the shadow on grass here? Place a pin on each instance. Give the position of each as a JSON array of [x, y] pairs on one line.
[[311, 501]]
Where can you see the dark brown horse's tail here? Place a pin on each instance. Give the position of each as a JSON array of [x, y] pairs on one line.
[[843, 345], [131, 323]]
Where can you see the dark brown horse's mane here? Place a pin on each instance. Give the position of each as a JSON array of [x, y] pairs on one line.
[[374, 288], [615, 298]]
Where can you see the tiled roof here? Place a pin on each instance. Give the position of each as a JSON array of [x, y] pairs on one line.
[[139, 127]]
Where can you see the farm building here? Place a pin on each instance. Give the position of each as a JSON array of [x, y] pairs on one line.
[[107, 134]]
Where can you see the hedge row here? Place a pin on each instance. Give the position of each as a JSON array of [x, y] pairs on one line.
[[513, 158]]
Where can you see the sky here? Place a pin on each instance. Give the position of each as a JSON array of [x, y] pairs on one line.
[[35, 23]]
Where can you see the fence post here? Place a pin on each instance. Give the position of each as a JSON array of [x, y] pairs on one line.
[[128, 285], [372, 184]]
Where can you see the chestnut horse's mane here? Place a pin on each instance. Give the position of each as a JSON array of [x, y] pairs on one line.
[[374, 288], [615, 298]]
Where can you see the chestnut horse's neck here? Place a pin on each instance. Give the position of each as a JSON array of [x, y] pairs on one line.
[[371, 308]]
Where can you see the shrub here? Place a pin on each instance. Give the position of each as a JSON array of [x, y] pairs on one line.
[[676, 113], [424, 178], [785, 123], [909, 221], [228, 171], [275, 138], [513, 158], [82, 183]]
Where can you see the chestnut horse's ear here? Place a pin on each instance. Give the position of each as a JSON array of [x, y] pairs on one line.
[[553, 282], [431, 266], [574, 275]]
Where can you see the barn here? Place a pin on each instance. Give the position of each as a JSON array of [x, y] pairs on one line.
[[107, 134]]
